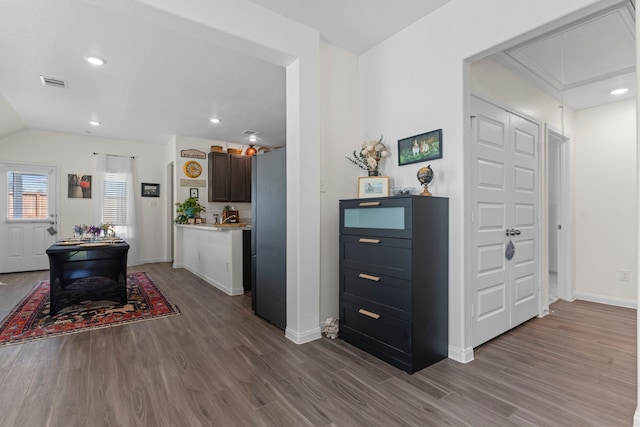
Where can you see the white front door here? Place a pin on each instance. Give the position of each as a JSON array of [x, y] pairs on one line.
[[29, 216], [504, 205]]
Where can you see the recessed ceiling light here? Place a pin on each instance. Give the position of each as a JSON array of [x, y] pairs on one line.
[[94, 123], [619, 91], [95, 61], [215, 120]]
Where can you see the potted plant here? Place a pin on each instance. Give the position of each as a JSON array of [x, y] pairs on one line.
[[190, 208]]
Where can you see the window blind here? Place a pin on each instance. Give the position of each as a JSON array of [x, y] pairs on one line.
[[115, 199], [28, 195]]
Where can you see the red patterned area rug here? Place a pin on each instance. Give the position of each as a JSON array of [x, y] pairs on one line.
[[30, 319]]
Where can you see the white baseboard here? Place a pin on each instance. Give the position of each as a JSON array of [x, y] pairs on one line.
[[229, 291], [303, 337], [461, 355], [154, 260], [618, 302], [636, 417]]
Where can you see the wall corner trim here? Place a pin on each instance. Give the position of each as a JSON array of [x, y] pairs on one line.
[[461, 355], [303, 337]]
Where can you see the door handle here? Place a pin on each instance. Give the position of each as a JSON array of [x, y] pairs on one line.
[[512, 232]]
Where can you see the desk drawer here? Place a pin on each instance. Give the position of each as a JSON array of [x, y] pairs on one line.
[[384, 294], [388, 330], [385, 255]]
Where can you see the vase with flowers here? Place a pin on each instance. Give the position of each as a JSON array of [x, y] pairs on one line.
[[369, 155], [93, 232]]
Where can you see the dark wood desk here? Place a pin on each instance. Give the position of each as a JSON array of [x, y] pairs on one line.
[[87, 272]]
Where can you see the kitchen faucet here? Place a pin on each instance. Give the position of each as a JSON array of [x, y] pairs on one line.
[[228, 218]]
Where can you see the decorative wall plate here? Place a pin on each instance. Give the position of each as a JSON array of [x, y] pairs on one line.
[[192, 169]]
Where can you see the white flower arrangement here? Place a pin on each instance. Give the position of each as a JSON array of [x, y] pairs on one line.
[[369, 155]]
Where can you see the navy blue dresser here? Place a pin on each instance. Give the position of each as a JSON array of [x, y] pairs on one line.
[[394, 278]]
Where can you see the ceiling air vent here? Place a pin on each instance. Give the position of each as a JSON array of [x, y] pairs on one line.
[[50, 81], [249, 132]]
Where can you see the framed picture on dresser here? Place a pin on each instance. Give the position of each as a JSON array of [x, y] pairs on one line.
[[373, 186]]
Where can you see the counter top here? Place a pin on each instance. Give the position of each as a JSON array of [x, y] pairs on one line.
[[216, 227]]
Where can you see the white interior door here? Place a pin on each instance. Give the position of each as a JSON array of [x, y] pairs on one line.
[[29, 216], [504, 204]]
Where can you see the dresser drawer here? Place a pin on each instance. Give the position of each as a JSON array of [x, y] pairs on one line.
[[379, 255], [386, 330], [389, 216], [384, 294]]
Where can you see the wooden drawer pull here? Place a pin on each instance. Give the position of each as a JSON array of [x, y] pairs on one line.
[[363, 240], [369, 203], [369, 277], [369, 314]]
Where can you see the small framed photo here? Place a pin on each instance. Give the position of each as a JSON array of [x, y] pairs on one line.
[[150, 190], [420, 148], [373, 186], [193, 192]]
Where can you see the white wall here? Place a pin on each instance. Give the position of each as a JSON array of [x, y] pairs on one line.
[[605, 202], [73, 154], [9, 121], [340, 133], [496, 83], [416, 81], [636, 415]]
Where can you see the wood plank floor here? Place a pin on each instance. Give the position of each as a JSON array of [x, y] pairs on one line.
[[218, 364]]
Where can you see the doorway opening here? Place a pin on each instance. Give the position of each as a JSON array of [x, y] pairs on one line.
[[549, 77], [559, 218]]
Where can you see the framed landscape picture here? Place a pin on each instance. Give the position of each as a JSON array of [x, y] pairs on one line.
[[373, 186], [420, 148], [150, 190]]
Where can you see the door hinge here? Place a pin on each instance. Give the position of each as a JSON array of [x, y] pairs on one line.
[[471, 121]]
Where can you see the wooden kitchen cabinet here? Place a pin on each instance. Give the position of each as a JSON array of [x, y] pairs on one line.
[[229, 178]]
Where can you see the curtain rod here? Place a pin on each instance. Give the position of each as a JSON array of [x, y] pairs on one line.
[[114, 155]]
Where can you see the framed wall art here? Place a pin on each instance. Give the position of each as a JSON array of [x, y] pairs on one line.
[[373, 186], [420, 148], [78, 186], [150, 190], [193, 192]]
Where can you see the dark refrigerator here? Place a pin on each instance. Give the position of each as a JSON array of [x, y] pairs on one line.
[[269, 236]]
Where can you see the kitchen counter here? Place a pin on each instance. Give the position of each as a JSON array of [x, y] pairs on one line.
[[217, 227], [212, 252]]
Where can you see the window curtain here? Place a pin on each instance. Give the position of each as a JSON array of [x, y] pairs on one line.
[[114, 199]]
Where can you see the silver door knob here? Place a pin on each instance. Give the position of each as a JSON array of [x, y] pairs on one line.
[[513, 232]]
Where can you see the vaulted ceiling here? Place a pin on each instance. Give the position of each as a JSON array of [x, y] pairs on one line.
[[159, 80], [158, 83]]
